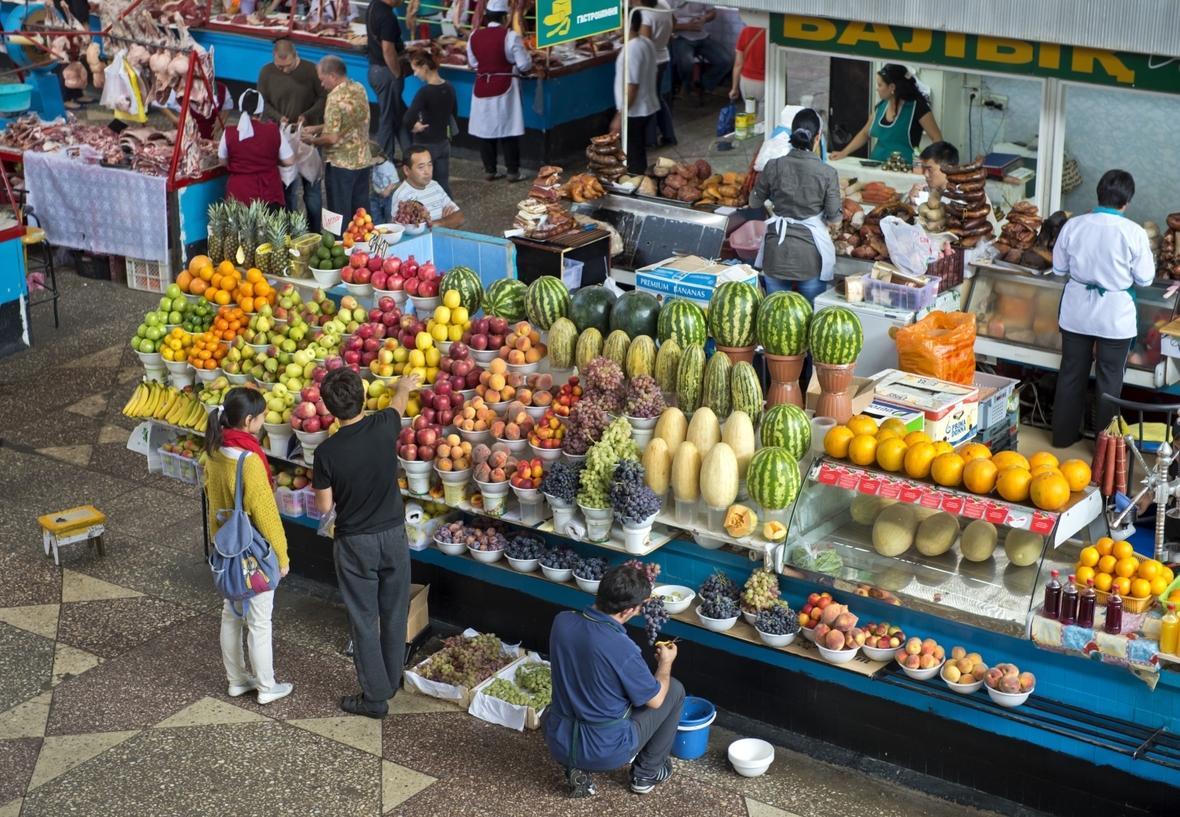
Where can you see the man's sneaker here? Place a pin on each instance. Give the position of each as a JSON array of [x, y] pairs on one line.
[[642, 785], [581, 784], [357, 705], [237, 690], [274, 693]]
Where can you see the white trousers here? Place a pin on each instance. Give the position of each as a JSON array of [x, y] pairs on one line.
[[257, 622]]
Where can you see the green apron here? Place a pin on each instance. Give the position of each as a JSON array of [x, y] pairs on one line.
[[895, 138]]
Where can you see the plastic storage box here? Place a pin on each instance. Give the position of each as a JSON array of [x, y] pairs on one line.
[[993, 408], [900, 296], [290, 502], [309, 504], [148, 276], [175, 466]]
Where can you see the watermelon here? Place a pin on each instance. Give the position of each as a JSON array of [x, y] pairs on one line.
[[589, 347], [745, 390], [835, 336], [546, 300], [465, 281], [667, 361], [785, 425], [682, 321], [562, 338], [636, 313], [783, 320], [616, 345], [689, 376], [772, 478], [591, 306], [733, 313], [715, 389], [641, 357], [505, 299]]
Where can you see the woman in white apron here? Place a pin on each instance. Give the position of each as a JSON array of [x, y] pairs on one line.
[[497, 54]]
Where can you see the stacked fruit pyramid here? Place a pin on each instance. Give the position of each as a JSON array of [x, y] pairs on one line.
[[1115, 565]]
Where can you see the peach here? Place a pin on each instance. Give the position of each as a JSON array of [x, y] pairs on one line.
[[503, 353], [498, 428], [469, 412], [821, 632], [496, 382], [462, 464], [515, 379], [928, 661], [492, 396], [516, 357], [507, 393], [543, 350], [834, 640], [1027, 681], [832, 613], [543, 381], [913, 661], [542, 398], [951, 673], [444, 464], [498, 459], [522, 328], [484, 377], [522, 344], [481, 453], [512, 432], [499, 475], [466, 446], [979, 672], [1010, 684], [856, 636], [993, 676], [497, 367], [532, 356], [975, 657], [480, 425], [534, 335], [964, 666], [958, 652], [913, 646], [482, 472], [845, 621], [939, 654]]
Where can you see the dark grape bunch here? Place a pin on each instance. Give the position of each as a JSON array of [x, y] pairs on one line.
[[718, 607], [583, 427], [644, 398], [525, 546], [650, 568], [560, 558], [655, 616], [778, 619], [631, 499], [561, 481], [720, 585], [591, 569], [465, 661]]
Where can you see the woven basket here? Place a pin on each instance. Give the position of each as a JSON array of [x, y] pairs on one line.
[[1130, 603]]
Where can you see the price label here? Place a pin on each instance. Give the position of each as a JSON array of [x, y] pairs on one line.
[[890, 489], [378, 245], [869, 484], [332, 221]]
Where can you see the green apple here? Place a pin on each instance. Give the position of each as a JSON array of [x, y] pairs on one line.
[[273, 417]]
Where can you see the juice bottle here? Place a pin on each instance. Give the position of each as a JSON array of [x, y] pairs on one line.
[[1052, 606], [1087, 601], [1114, 612], [1069, 602], [1168, 631]]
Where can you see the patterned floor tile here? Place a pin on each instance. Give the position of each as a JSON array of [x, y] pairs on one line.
[[399, 784], [351, 730], [209, 712], [111, 627], [81, 587], [146, 511], [152, 570], [12, 808], [92, 406], [102, 359], [18, 758], [26, 720], [757, 809], [310, 622], [66, 429], [60, 754], [70, 662], [29, 579], [78, 455], [26, 666], [39, 619]]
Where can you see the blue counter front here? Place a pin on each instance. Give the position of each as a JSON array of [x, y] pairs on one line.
[[14, 298]]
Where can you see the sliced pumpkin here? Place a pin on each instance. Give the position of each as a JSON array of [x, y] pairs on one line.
[[740, 521]]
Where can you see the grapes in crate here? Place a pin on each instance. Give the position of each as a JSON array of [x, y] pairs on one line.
[[465, 661]]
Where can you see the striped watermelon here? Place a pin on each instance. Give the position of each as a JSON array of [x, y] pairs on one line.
[[465, 281], [689, 377], [667, 362], [546, 301], [772, 478], [733, 313], [783, 320], [505, 299], [589, 347], [682, 321], [615, 347], [563, 336], [641, 357], [785, 425], [591, 306], [745, 391], [835, 336], [715, 389]]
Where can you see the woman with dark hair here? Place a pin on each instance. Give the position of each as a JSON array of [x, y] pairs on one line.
[[1105, 255], [253, 152], [898, 120], [232, 434], [431, 113]]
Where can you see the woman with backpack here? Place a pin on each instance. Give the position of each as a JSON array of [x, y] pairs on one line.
[[232, 434]]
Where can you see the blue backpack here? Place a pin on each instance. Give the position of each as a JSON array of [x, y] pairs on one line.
[[243, 562]]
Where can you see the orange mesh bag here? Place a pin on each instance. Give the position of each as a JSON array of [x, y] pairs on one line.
[[940, 345]]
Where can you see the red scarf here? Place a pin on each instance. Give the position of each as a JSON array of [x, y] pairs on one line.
[[232, 438]]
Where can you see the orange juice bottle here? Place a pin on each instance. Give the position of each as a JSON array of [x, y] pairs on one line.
[[1168, 631]]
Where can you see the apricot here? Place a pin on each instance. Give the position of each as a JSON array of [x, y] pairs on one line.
[[834, 640], [497, 366], [913, 646], [444, 464], [516, 357], [951, 673], [479, 425], [964, 666], [975, 657], [532, 356], [958, 652]]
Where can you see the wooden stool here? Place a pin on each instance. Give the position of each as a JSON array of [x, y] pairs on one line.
[[81, 524]]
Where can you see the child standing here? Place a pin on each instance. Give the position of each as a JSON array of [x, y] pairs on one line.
[[382, 180]]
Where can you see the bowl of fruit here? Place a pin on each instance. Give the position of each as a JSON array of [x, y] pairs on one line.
[[451, 538], [413, 216], [921, 659], [964, 672], [677, 598], [392, 233], [327, 278], [1008, 686], [524, 552], [883, 641], [558, 564], [588, 573]]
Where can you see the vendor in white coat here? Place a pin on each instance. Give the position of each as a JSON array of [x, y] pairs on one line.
[[498, 56], [1105, 254]]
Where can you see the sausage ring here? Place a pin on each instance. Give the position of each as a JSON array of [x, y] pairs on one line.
[[971, 168], [974, 199], [973, 223], [954, 209], [969, 241], [973, 176], [970, 187], [1174, 221], [976, 212]]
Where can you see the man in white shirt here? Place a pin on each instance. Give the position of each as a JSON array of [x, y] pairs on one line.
[[1105, 254], [420, 186], [642, 99], [657, 26], [693, 41]]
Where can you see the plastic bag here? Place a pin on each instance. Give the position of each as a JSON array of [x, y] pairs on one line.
[[307, 159], [327, 526], [940, 345], [910, 249], [727, 120]]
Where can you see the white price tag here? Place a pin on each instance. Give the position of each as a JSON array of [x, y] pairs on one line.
[[332, 221]]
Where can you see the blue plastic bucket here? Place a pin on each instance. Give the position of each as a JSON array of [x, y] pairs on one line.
[[692, 735], [16, 97]]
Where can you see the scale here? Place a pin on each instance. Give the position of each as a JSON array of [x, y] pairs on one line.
[[37, 63]]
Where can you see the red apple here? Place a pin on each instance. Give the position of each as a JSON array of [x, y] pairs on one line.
[[456, 399], [479, 342], [443, 389], [446, 417], [458, 351], [497, 326], [310, 394], [409, 452], [312, 424], [358, 259], [386, 304], [426, 453], [362, 275]]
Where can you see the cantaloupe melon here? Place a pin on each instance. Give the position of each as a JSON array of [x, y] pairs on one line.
[[978, 541], [936, 534], [720, 486], [894, 529], [657, 465], [686, 472], [865, 507], [1023, 547]]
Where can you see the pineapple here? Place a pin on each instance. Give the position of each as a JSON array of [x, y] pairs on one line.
[[216, 232], [248, 228], [298, 225], [272, 254], [232, 243]]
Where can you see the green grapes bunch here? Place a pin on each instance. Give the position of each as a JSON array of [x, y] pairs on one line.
[[533, 687], [598, 475], [505, 690], [761, 590]]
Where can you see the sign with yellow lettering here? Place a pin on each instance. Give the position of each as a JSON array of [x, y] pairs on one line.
[[977, 52], [560, 21]]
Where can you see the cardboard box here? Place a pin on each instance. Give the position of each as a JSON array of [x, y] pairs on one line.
[[861, 392], [419, 616], [690, 277], [461, 695], [912, 420], [951, 410]]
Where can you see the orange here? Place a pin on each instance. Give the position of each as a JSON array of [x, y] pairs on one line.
[[1174, 595], [836, 442], [253, 275], [215, 282], [1013, 482], [222, 297], [1089, 557], [184, 280], [943, 447], [915, 437], [862, 424], [947, 469], [1123, 550], [197, 262], [261, 288], [1077, 473], [198, 286], [1106, 564], [1041, 458], [1049, 491], [1123, 584], [1046, 468], [1104, 546], [246, 291], [862, 449], [1158, 586], [1083, 574], [248, 305], [974, 451], [885, 434], [895, 425], [979, 475], [1007, 458], [225, 267], [1140, 588], [1102, 581], [1149, 569], [918, 459], [1127, 567], [206, 273], [891, 454], [1166, 572]]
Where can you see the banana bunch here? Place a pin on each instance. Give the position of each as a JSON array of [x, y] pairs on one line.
[[154, 401]]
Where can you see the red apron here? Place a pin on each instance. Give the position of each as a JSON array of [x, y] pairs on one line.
[[254, 165], [495, 71]]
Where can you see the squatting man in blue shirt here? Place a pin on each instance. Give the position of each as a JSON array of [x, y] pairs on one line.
[[608, 708]]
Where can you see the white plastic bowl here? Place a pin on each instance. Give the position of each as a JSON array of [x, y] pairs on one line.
[[451, 548], [424, 307], [555, 575], [546, 454], [924, 674], [686, 593], [443, 346], [808, 633], [1009, 699], [587, 585], [326, 278], [879, 654], [751, 757], [392, 233], [415, 229], [749, 617], [717, 625], [486, 556], [415, 466], [776, 640], [536, 412], [524, 565], [208, 375], [476, 437], [524, 368], [515, 446], [484, 356], [359, 290], [235, 379], [837, 656], [963, 689]]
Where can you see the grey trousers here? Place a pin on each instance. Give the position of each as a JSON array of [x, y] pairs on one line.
[[374, 574], [656, 730]]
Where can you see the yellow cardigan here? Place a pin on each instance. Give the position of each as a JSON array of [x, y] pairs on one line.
[[257, 499]]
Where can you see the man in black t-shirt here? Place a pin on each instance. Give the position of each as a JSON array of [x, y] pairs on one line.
[[356, 470], [385, 74]]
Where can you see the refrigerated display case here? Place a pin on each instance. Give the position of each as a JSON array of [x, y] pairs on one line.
[[1016, 319]]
